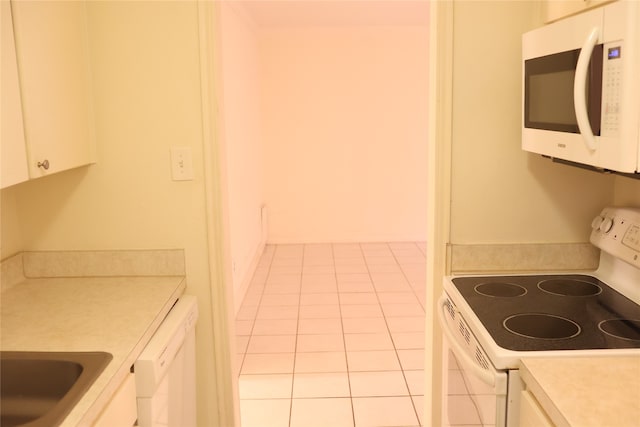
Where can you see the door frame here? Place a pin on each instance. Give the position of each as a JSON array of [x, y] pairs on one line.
[[438, 214], [439, 195]]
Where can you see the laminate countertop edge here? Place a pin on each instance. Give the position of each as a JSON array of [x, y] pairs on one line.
[[586, 391], [118, 315]]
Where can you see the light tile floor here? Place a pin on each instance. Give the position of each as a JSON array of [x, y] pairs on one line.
[[332, 335]]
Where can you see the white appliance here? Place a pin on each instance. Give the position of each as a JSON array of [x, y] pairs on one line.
[[165, 372], [581, 88], [490, 323]]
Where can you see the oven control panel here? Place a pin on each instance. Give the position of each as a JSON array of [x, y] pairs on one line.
[[617, 231]]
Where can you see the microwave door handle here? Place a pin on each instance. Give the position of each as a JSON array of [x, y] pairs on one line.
[[579, 89], [485, 376]]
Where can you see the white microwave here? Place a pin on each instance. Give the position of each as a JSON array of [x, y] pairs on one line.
[[581, 88]]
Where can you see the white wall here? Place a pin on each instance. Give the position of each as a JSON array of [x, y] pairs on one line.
[[240, 106], [501, 194], [345, 122], [147, 99]]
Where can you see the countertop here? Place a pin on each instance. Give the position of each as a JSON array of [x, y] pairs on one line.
[[114, 314], [588, 391]]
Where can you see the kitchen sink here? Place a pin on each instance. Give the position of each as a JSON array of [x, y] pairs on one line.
[[41, 388]]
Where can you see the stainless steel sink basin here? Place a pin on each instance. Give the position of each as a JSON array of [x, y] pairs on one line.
[[41, 388]]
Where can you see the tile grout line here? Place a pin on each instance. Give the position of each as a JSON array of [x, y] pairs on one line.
[[394, 344], [405, 275], [295, 347], [255, 316], [344, 338], [384, 316]]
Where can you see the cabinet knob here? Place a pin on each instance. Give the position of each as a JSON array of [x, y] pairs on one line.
[[44, 165]]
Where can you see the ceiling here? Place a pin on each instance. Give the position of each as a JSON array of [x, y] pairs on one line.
[[336, 13]]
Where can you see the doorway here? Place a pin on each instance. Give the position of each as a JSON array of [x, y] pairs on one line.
[[325, 134]]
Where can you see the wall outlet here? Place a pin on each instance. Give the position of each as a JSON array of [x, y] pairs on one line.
[[181, 164]]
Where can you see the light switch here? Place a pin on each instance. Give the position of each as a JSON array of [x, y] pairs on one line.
[[181, 164]]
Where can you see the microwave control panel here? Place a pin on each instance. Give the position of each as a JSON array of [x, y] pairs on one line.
[[611, 87], [617, 231]]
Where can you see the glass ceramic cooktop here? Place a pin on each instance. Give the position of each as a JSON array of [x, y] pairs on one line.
[[552, 312]]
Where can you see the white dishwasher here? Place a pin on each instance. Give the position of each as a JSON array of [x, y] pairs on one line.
[[165, 372]]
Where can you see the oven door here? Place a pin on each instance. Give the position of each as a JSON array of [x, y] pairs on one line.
[[474, 392]]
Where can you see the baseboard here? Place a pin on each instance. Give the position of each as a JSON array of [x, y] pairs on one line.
[[283, 240], [248, 276]]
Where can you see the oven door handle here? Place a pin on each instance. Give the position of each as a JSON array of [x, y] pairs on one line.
[[463, 357], [580, 92]]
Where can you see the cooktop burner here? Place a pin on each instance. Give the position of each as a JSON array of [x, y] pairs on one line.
[[545, 326], [569, 287], [500, 289], [552, 312], [621, 328]]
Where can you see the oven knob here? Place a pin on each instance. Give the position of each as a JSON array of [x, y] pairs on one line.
[[596, 222], [607, 225]]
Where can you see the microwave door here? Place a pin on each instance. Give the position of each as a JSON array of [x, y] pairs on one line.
[[580, 87], [580, 100], [549, 92]]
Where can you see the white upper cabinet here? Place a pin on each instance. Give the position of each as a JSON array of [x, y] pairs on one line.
[[13, 156], [558, 9], [51, 46]]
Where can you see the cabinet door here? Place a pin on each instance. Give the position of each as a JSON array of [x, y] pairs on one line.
[[53, 64], [531, 414], [557, 9], [12, 144], [121, 410]]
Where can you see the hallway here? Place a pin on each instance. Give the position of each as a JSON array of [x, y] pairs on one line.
[[333, 335]]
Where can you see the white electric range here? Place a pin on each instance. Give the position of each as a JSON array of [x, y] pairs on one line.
[[492, 322]]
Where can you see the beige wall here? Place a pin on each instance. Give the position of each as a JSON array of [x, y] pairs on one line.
[[345, 126], [326, 126], [148, 98], [627, 192], [10, 229], [239, 103], [501, 194]]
